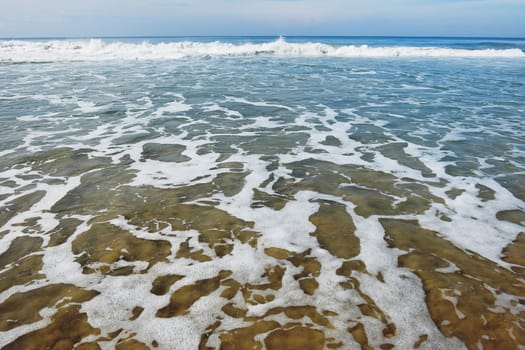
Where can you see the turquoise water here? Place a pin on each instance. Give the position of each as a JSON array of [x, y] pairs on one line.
[[260, 155], [449, 42]]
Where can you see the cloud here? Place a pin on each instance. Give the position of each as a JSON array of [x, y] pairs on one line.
[[256, 17]]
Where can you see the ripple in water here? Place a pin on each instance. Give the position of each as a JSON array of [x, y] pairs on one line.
[[259, 202]]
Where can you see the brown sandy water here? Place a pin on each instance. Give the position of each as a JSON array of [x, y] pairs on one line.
[[245, 213], [468, 297]]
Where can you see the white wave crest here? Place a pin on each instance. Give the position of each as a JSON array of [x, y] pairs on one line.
[[97, 50]]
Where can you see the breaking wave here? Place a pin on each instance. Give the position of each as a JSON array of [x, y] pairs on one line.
[[98, 50]]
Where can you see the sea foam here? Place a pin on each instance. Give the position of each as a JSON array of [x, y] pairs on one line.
[[100, 50], [205, 155]]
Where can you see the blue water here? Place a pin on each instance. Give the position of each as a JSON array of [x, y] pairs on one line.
[[411, 166], [374, 41]]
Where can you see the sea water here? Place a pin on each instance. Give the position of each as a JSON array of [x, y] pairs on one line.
[[248, 192]]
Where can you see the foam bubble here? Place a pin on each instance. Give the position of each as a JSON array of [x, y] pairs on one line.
[[201, 127]]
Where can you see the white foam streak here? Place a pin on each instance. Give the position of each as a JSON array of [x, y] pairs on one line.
[[99, 50]]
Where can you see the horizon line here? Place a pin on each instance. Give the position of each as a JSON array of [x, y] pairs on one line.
[[260, 36]]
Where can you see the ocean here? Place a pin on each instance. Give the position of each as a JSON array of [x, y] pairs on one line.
[[262, 193]]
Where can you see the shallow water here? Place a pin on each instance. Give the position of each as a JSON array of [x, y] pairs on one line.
[[263, 202]]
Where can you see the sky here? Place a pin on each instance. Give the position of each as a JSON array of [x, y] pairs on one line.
[[93, 18]]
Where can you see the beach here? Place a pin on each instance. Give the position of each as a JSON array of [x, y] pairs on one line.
[[276, 193]]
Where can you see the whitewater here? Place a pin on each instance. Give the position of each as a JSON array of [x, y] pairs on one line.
[[262, 192], [98, 49]]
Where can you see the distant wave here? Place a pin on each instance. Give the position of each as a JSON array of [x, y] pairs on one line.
[[97, 50]]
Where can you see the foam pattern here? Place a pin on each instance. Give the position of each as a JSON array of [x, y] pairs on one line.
[[299, 202]]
